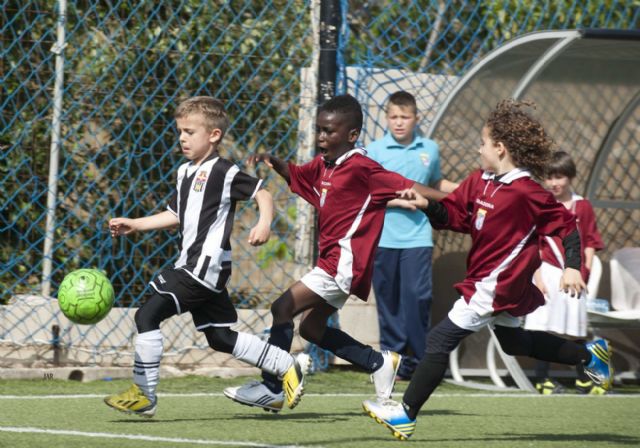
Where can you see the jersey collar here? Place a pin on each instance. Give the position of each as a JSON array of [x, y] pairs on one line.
[[507, 178], [346, 155], [391, 143]]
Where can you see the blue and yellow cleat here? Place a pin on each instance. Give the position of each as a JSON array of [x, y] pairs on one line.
[[600, 369], [392, 415]]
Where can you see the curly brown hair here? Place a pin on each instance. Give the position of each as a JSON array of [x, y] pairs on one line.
[[523, 135]]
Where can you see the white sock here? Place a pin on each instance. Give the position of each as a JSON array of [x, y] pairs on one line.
[[253, 350], [146, 366]]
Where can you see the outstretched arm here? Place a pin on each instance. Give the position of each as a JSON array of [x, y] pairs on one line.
[[446, 185], [260, 233], [280, 166], [428, 192], [127, 226]]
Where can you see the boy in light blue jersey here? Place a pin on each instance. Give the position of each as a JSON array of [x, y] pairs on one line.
[[402, 269]]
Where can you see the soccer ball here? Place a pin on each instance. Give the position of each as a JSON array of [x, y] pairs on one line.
[[85, 296]]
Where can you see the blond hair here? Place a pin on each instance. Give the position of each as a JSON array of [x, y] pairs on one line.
[[215, 116]]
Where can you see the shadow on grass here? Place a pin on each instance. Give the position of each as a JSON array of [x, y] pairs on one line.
[[608, 438]]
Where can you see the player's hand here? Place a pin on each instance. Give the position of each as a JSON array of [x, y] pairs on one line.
[[572, 283], [121, 226], [401, 203], [259, 234], [414, 198], [256, 158]]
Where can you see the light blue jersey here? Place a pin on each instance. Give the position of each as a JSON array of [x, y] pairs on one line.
[[420, 162]]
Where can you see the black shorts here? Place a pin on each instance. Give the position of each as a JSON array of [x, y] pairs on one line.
[[208, 308]]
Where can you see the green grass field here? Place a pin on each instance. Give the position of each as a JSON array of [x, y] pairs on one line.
[[193, 412]]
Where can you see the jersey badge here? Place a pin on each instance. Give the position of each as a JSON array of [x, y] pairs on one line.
[[425, 158], [482, 213], [323, 197], [200, 181]]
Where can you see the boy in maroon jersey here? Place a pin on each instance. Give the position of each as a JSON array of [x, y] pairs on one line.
[[350, 192], [506, 212]]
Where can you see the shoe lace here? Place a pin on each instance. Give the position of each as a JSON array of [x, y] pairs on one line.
[[390, 403]]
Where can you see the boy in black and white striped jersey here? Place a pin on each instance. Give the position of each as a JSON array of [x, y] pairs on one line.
[[203, 207]]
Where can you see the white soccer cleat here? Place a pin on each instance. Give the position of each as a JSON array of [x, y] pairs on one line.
[[255, 393], [392, 415], [384, 379]]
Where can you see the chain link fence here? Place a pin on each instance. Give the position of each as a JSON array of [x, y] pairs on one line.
[[125, 66]]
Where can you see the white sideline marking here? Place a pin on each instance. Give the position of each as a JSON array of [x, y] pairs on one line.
[[106, 435], [443, 395]]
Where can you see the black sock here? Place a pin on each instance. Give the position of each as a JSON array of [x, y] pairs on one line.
[[427, 376], [541, 345], [580, 373], [344, 346], [280, 336], [542, 370]]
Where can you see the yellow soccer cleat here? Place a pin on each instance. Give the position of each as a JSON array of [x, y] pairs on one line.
[[293, 379], [132, 401]]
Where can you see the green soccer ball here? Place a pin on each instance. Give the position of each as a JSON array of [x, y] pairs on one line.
[[85, 296]]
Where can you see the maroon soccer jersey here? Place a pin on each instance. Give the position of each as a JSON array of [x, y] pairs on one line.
[[351, 197], [551, 249], [505, 218]]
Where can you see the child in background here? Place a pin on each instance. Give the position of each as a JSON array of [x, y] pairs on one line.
[[563, 314], [402, 278]]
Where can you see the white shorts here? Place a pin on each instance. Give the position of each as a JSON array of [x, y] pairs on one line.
[[326, 287], [465, 317]]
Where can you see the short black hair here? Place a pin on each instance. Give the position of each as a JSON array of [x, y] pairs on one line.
[[561, 164], [347, 106]]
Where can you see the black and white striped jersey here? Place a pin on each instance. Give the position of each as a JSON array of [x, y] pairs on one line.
[[205, 202]]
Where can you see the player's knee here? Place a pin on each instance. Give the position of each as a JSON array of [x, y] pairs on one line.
[[309, 331], [222, 339], [280, 310], [145, 320]]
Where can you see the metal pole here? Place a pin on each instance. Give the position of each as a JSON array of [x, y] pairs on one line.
[[330, 20], [54, 153], [304, 225]]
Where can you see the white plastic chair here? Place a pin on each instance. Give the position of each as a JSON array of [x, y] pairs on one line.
[[625, 292]]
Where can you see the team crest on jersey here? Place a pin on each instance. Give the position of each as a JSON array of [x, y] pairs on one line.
[[323, 197], [425, 158], [200, 181], [482, 213]]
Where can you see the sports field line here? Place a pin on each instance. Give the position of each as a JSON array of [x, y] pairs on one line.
[[217, 394], [106, 435]]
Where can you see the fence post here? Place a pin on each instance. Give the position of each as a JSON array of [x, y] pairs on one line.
[[54, 154], [330, 18], [304, 225]]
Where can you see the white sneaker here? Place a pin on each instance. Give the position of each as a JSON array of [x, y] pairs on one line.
[[385, 377], [255, 393], [392, 415]]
